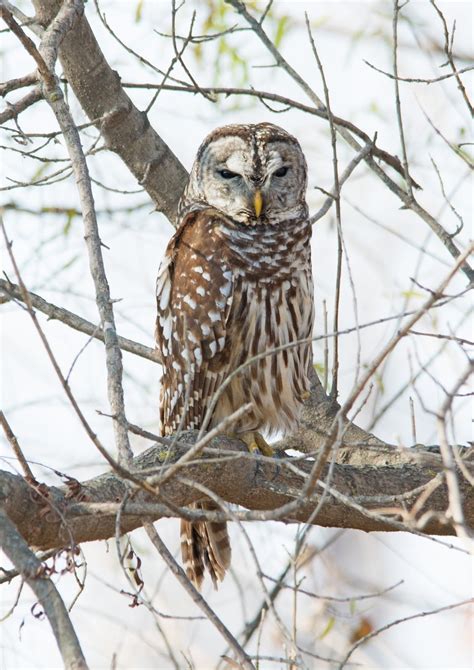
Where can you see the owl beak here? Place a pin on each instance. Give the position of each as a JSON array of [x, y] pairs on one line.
[[258, 203]]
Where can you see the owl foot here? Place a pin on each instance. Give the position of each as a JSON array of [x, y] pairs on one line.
[[256, 443]]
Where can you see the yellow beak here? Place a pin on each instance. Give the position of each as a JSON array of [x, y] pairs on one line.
[[258, 203]]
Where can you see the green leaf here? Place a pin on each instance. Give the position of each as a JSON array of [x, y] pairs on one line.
[[68, 264], [328, 628], [70, 214], [319, 367], [280, 31], [379, 381], [40, 172], [411, 294], [138, 11]]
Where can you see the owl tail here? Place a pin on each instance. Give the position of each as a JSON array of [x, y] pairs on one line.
[[205, 545]]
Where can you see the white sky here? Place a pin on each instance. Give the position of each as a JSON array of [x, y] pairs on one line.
[[54, 265]]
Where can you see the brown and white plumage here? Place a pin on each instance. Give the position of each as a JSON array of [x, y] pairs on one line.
[[235, 282]]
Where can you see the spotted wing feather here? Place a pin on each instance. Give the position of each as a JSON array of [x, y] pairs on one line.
[[194, 296]]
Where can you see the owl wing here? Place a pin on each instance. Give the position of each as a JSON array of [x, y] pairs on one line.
[[194, 296]]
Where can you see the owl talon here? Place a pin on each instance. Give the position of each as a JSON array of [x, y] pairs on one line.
[[256, 444]]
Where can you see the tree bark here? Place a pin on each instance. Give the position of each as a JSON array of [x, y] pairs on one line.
[[369, 479], [125, 129]]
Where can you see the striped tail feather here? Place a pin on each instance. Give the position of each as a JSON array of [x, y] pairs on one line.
[[205, 545]]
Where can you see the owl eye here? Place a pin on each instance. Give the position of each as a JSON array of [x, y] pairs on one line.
[[227, 174], [281, 172]]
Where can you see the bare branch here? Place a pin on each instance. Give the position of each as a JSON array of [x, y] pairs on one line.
[[124, 128], [396, 623], [401, 131], [13, 292], [227, 91], [45, 59], [342, 179], [25, 297], [32, 572], [415, 80], [262, 485], [11, 437], [337, 202], [448, 50], [20, 82], [178, 572], [15, 109], [407, 200], [455, 509]]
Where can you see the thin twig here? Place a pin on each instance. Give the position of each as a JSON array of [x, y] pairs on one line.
[[91, 434], [455, 509], [396, 623], [366, 149], [197, 448], [372, 368], [72, 320], [10, 435], [337, 202], [401, 132], [407, 200], [227, 91], [448, 50], [13, 291], [415, 80], [194, 594]]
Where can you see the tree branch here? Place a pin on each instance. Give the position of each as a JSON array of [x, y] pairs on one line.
[[125, 129], [33, 573], [363, 481], [192, 591], [45, 58], [16, 108], [405, 196], [12, 291]]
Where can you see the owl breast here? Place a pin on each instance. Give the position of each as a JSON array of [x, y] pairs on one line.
[[272, 307]]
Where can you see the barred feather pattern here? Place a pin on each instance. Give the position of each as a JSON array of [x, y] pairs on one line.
[[229, 290]]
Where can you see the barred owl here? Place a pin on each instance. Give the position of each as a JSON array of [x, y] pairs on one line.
[[235, 282]]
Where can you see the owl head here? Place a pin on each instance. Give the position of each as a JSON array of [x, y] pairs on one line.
[[253, 173]]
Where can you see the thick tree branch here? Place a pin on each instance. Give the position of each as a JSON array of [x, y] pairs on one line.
[[365, 482], [125, 129]]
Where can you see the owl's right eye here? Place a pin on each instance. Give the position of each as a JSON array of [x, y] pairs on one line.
[[227, 174]]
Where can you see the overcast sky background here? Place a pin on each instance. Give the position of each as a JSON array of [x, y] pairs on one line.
[[54, 265]]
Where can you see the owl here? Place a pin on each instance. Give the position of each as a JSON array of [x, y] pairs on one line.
[[236, 282]]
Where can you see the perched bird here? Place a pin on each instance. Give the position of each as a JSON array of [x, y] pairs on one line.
[[235, 282]]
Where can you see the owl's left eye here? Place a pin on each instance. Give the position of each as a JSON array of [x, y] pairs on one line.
[[227, 174], [281, 172]]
